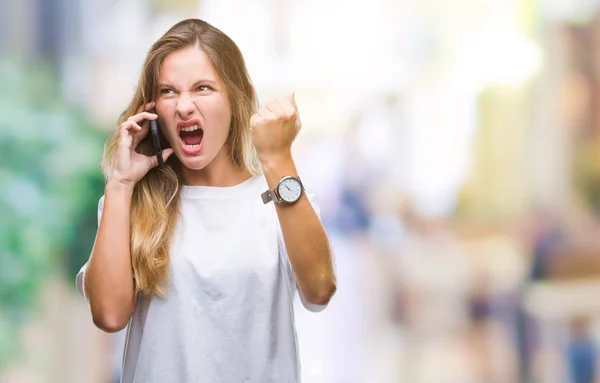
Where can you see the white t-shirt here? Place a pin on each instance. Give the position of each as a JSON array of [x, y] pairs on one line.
[[227, 315]]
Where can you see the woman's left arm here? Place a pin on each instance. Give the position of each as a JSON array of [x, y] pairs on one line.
[[273, 130], [305, 238]]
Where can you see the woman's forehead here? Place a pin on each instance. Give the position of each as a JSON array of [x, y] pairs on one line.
[[187, 66]]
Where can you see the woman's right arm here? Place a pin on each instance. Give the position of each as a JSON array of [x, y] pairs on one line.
[[109, 285], [108, 282]]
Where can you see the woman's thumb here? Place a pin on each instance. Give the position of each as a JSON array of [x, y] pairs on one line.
[[154, 159], [167, 153]]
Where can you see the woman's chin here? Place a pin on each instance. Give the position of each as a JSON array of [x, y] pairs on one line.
[[193, 163]]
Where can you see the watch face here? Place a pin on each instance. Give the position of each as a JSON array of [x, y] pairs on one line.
[[290, 190]]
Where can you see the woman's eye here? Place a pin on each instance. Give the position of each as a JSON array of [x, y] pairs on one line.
[[166, 91], [204, 88]]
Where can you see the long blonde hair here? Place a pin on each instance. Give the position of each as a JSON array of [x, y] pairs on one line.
[[156, 197]]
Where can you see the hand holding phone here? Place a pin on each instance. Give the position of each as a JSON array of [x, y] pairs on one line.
[[129, 166]]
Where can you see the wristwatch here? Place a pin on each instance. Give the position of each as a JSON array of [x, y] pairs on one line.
[[287, 191]]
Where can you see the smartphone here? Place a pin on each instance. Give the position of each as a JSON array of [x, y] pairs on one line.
[[156, 141]]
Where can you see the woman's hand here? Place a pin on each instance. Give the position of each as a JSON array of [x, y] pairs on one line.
[[274, 128], [130, 166]]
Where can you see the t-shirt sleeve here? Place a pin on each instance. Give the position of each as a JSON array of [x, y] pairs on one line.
[[80, 280], [312, 197]]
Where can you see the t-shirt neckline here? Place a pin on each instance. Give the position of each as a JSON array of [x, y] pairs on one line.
[[188, 191]]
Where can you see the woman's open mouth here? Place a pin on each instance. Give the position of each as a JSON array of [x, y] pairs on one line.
[[191, 139]]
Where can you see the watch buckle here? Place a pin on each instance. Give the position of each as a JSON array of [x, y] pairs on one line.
[[270, 195]]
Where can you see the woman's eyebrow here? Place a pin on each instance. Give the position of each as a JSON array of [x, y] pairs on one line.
[[197, 83]]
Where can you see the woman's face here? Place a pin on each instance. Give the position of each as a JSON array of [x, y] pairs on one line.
[[193, 108]]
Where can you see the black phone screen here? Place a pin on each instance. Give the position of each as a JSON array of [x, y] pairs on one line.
[[156, 141]]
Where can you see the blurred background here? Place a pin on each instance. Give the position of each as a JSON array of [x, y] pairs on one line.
[[454, 147]]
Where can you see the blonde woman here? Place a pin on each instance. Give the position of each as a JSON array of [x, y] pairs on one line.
[[201, 259]]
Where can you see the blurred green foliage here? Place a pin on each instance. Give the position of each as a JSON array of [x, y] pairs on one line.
[[50, 183]]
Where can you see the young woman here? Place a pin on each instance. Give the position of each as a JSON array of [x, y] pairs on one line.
[[201, 259]]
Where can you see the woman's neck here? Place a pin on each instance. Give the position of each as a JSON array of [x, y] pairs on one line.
[[220, 172]]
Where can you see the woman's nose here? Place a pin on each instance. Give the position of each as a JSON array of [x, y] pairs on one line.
[[185, 105]]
